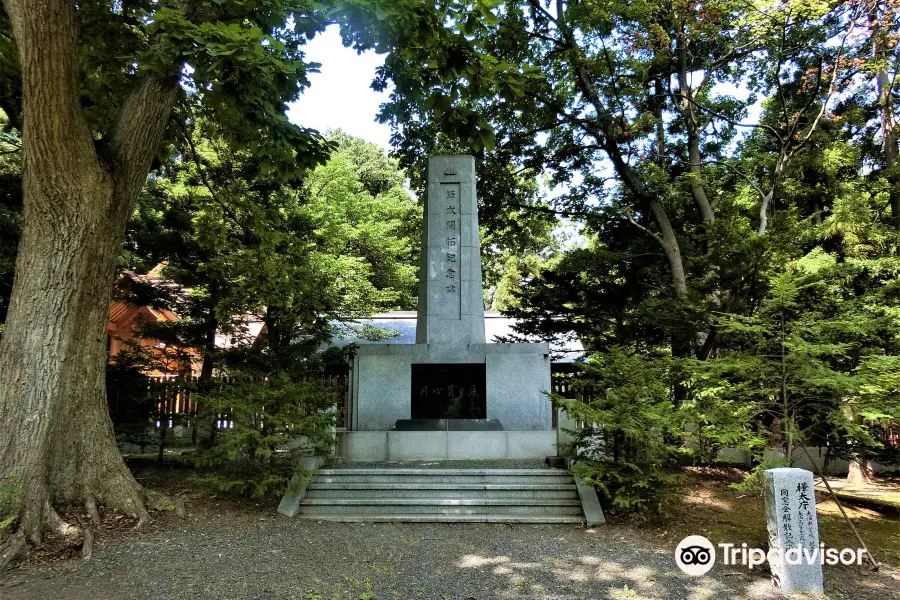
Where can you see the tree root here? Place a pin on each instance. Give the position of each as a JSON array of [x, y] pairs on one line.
[[68, 532], [90, 505], [87, 546], [82, 532], [12, 550]]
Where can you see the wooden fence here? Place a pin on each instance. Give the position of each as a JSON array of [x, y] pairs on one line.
[[562, 379], [174, 399]]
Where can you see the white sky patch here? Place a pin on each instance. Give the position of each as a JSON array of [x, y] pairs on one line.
[[754, 111], [340, 95]]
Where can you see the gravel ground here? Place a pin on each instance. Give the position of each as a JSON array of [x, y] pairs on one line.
[[229, 555]]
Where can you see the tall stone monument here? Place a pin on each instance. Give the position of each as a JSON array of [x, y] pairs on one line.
[[485, 399], [451, 304]]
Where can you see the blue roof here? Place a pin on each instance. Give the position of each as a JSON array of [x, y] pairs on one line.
[[401, 328]]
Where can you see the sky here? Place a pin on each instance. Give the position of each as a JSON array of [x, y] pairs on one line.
[[340, 95]]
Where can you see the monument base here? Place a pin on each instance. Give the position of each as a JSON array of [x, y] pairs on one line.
[[385, 446], [447, 425], [514, 375]]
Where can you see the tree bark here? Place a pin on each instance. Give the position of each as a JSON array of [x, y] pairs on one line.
[[671, 248], [859, 473], [692, 128], [56, 437], [888, 124], [767, 197]]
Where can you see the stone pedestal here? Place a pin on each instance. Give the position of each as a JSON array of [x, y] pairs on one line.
[[368, 446], [517, 375], [794, 553]]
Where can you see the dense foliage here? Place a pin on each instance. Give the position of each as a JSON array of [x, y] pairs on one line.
[[236, 249], [734, 167]]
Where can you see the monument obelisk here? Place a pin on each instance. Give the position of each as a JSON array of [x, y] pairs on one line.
[[451, 304]]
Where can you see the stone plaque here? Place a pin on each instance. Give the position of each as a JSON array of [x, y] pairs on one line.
[[793, 530], [448, 391]]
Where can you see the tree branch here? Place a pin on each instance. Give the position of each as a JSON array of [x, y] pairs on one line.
[[137, 131], [652, 234], [202, 171], [718, 115], [734, 171], [831, 89], [552, 211], [537, 6]]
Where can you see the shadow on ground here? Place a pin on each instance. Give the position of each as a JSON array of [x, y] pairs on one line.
[[274, 558]]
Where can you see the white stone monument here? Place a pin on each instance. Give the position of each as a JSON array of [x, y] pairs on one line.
[[794, 552], [450, 395]]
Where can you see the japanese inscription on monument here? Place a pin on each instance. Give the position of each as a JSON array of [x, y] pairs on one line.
[[793, 530], [448, 391], [450, 265]]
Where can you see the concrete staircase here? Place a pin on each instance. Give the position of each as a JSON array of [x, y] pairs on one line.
[[442, 495]]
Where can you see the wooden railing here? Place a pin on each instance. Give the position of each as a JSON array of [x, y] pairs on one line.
[[172, 400]]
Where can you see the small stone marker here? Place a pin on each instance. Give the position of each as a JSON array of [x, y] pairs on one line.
[[793, 530]]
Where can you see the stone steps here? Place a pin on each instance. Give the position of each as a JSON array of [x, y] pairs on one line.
[[428, 490], [442, 495], [444, 476], [438, 518]]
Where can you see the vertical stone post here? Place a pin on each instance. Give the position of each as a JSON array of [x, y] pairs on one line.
[[451, 304], [794, 552]]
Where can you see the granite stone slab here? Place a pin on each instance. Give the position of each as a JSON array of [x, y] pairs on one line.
[[793, 529]]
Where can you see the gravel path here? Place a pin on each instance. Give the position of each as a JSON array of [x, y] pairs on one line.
[[260, 556]]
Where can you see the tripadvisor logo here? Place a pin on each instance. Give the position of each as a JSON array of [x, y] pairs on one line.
[[696, 555]]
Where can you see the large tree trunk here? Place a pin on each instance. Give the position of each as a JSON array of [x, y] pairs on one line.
[[58, 444], [859, 472], [56, 437]]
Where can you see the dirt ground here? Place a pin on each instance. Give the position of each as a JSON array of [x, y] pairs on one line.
[[242, 550], [881, 493]]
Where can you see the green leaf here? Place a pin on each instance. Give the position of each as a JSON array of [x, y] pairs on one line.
[[488, 139]]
